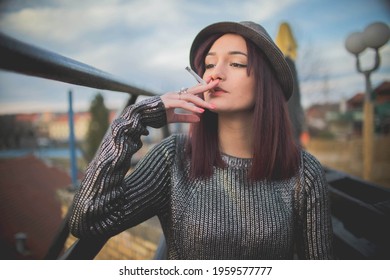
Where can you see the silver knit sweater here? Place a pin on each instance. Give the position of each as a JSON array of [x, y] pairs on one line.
[[225, 216]]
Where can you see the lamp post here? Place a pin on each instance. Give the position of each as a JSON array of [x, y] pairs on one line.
[[374, 36]]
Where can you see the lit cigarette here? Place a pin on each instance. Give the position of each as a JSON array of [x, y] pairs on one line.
[[199, 79]]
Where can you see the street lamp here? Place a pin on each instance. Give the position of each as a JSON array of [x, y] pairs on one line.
[[374, 36]]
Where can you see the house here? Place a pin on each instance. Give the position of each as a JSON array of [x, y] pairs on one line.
[[346, 118], [381, 99], [318, 118]]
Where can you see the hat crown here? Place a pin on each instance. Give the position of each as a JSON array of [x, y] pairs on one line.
[[256, 27]]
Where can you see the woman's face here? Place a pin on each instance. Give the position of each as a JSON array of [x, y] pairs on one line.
[[227, 61]]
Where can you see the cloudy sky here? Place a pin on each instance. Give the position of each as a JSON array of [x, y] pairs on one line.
[[146, 43]]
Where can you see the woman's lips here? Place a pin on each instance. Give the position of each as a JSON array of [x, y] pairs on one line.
[[217, 91]]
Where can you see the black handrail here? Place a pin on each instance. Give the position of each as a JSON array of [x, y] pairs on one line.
[[17, 56], [58, 242]]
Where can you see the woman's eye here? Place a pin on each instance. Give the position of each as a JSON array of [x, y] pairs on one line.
[[209, 66], [238, 65]]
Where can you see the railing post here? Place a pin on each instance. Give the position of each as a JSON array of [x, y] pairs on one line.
[[72, 146]]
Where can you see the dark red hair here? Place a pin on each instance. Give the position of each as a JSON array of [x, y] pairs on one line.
[[276, 155]]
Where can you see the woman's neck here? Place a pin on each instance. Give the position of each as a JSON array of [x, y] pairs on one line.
[[235, 135]]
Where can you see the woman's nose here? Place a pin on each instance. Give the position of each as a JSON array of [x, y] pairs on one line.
[[218, 73]]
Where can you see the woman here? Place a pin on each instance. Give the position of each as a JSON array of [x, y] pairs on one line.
[[237, 186]]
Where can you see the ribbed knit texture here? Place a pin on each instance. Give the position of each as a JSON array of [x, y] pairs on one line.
[[225, 216]]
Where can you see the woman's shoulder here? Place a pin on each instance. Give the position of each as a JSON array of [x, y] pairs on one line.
[[172, 148], [308, 160], [312, 171], [166, 149], [173, 144], [311, 167], [174, 140]]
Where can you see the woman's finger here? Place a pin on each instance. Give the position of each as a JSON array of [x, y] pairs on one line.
[[189, 100], [199, 88]]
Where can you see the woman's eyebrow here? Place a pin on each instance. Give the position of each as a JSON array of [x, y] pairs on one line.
[[237, 52], [230, 53]]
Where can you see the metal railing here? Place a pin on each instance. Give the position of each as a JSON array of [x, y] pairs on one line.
[[23, 58], [360, 210]]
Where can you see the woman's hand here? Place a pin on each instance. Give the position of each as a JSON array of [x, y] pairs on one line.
[[188, 100]]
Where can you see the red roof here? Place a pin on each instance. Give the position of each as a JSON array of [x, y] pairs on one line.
[[27, 117], [382, 95], [356, 100], [29, 204], [383, 88]]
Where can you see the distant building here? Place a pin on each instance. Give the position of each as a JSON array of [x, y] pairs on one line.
[[58, 126], [21, 131], [382, 108], [382, 93], [345, 119], [381, 97], [320, 120]]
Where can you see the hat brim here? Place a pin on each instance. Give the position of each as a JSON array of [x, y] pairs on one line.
[[261, 39]]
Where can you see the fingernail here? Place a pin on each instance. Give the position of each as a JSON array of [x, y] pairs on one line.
[[212, 106], [200, 110]]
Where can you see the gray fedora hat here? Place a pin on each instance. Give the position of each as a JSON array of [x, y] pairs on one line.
[[258, 35]]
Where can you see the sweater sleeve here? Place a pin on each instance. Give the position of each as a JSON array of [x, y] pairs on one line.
[[315, 233], [108, 201]]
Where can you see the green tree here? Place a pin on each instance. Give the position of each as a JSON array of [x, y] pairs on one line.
[[97, 127]]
